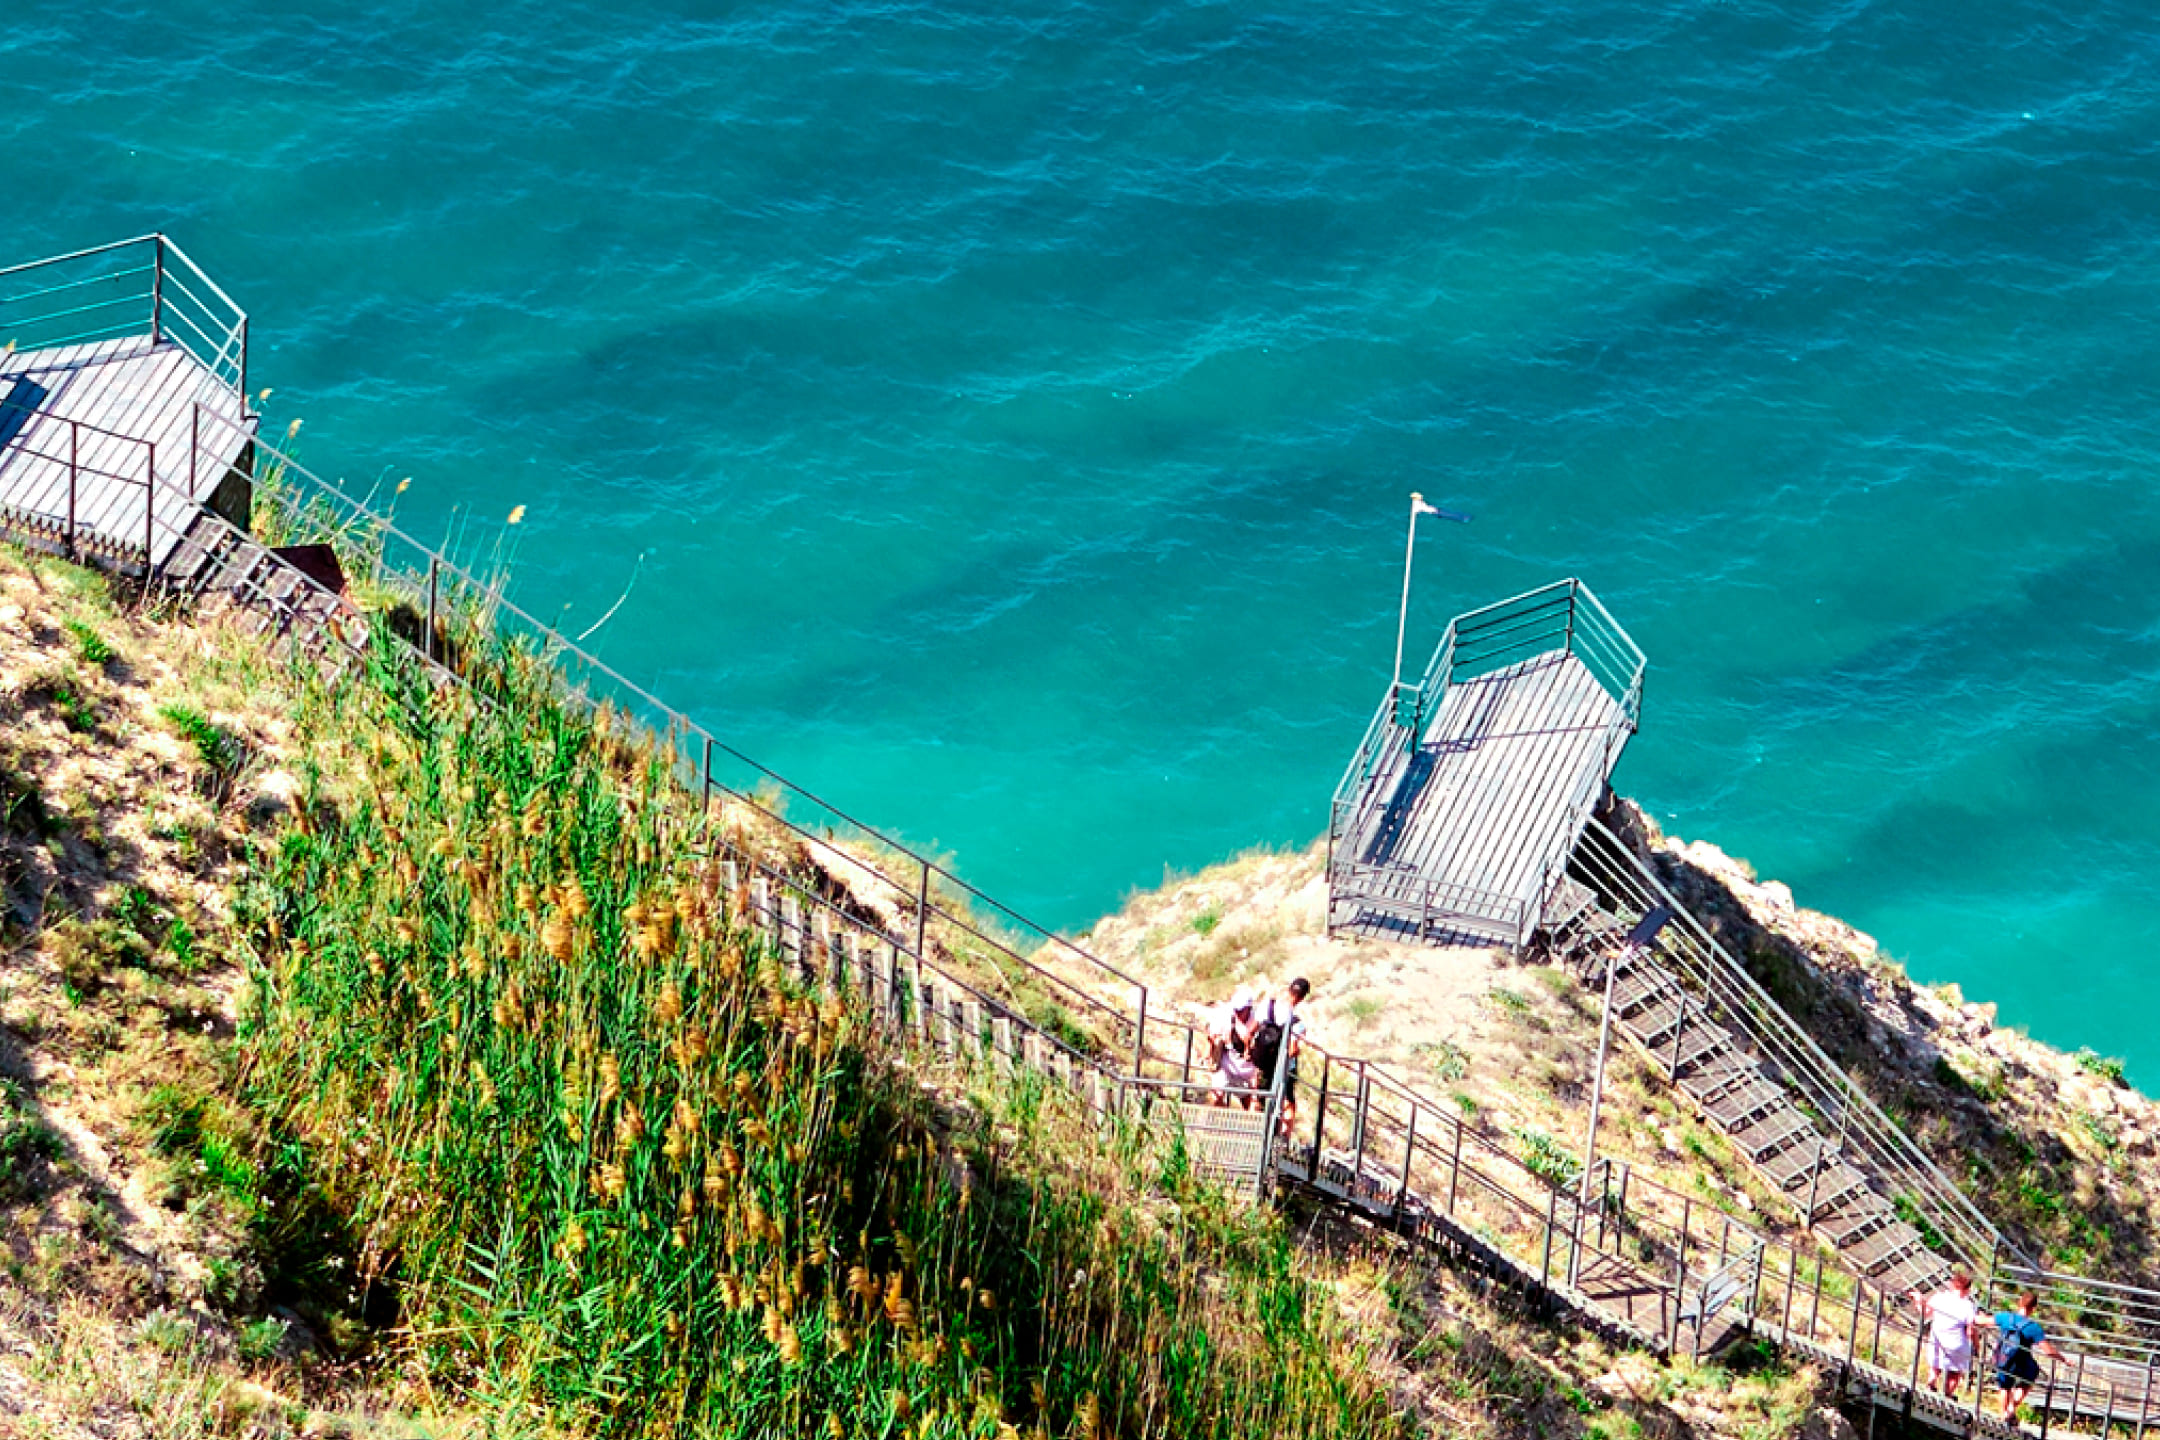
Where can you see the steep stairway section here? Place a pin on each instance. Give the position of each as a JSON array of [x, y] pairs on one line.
[[1761, 1118], [1857, 1180]]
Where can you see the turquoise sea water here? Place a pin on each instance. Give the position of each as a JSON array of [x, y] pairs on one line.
[[1007, 410]]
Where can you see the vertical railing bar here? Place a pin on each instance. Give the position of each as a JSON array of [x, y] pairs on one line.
[[1552, 1208], [1454, 1181], [1402, 1188], [1357, 1130], [1687, 1211], [1912, 1379], [1852, 1340], [149, 518], [1139, 1044], [74, 473], [1319, 1132]]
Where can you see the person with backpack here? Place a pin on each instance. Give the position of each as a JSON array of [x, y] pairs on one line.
[[1278, 1034], [2018, 1351]]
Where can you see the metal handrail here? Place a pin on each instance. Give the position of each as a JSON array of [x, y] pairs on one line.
[[1564, 616], [1689, 950], [178, 302], [923, 877]]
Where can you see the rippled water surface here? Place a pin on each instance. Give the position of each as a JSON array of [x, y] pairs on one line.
[[1001, 415]]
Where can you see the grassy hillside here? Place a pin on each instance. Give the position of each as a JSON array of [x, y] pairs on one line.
[[391, 1061], [612, 1161]]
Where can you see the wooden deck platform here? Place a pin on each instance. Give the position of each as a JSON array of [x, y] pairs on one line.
[[1463, 831], [101, 447]]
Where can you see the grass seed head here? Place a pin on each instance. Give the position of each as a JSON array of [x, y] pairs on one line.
[[612, 1181], [555, 938]]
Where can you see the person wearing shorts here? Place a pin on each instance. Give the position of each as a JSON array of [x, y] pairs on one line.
[[1229, 1037], [1951, 1318], [2017, 1353]]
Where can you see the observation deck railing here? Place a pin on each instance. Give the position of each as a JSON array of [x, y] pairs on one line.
[[144, 287], [1563, 618]]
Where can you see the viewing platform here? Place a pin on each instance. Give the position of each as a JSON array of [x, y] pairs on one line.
[[1457, 815], [123, 402]]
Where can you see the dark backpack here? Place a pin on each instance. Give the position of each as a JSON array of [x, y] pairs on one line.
[[1266, 1047], [2015, 1347]]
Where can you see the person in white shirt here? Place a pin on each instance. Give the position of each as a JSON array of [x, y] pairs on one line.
[[1951, 1317], [1229, 1034]]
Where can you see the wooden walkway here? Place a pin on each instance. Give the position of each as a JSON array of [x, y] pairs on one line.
[[91, 435], [1464, 831]]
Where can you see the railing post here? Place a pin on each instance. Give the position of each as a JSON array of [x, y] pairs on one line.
[[157, 289], [1679, 1030], [2145, 1395], [1357, 1130], [1139, 1044], [1552, 1211], [1679, 1289], [1187, 1077], [1402, 1188], [1852, 1342], [1754, 1301], [243, 363], [1319, 1123], [1912, 1378], [922, 928], [1454, 1178], [1875, 1342], [149, 516], [1792, 1279], [434, 567], [74, 469]]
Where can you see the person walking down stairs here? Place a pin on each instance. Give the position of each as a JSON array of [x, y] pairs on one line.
[[2017, 1353], [1951, 1317]]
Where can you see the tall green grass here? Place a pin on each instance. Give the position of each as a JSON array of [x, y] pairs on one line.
[[627, 1173]]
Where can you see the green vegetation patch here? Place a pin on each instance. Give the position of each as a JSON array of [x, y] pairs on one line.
[[620, 1163], [219, 751], [27, 1145]]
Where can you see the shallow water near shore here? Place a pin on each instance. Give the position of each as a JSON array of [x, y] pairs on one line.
[[1001, 417]]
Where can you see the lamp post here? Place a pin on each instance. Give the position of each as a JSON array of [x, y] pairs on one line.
[[1402, 619], [1638, 940]]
